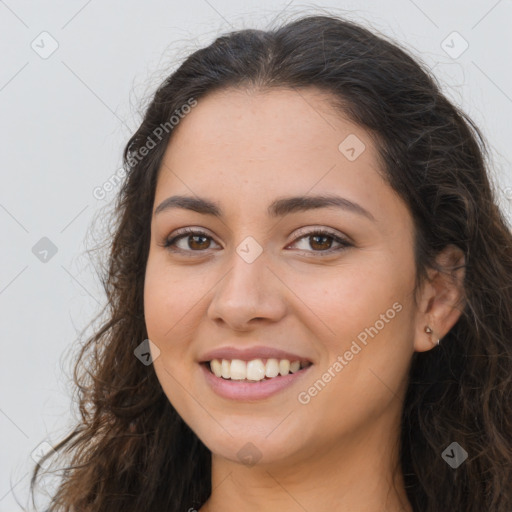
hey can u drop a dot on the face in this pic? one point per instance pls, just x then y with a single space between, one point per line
329 285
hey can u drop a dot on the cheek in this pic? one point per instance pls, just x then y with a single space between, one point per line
169 300
363 314
173 311
158 307
362 374
166 313
353 296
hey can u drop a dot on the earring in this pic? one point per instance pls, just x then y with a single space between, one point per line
428 330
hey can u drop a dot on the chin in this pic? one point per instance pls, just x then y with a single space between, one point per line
251 446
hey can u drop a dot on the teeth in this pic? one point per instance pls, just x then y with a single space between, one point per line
238 369
295 366
226 369
216 367
254 370
272 368
284 367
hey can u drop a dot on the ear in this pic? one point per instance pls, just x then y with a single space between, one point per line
441 299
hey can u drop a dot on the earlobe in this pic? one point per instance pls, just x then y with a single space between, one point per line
429 330
442 299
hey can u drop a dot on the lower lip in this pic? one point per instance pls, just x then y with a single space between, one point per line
237 390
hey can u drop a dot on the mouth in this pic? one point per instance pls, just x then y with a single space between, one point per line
255 370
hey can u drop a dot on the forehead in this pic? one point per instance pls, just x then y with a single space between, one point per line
264 123
241 144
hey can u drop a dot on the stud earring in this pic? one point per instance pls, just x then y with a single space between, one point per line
428 330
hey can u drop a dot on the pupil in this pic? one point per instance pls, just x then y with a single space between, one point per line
316 237
196 237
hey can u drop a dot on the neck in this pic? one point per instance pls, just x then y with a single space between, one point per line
358 474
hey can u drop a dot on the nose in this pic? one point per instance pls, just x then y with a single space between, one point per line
248 294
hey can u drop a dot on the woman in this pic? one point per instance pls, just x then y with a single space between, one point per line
309 290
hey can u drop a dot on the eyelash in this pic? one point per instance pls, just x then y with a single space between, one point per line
169 242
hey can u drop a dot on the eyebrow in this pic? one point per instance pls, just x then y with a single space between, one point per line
277 208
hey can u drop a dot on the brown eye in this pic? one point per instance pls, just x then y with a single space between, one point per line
196 241
321 245
321 242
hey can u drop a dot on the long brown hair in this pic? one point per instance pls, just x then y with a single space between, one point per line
131 451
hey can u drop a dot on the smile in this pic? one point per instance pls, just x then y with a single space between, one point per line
256 369
248 380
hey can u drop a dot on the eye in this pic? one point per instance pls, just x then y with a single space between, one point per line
321 241
198 241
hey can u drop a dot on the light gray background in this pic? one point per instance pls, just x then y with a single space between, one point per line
64 121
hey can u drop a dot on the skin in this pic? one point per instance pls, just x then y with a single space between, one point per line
243 149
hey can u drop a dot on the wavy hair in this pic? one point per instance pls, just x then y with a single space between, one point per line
131 451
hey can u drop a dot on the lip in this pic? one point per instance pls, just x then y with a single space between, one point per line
251 391
248 354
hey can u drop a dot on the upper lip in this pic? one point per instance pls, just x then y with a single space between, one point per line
248 354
